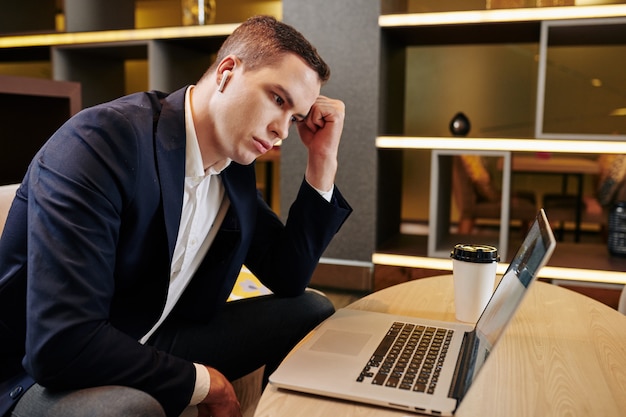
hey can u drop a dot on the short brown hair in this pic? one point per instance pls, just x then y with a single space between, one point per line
261 39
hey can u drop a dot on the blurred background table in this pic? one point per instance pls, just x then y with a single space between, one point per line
565 166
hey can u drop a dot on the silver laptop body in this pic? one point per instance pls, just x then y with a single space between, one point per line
340 359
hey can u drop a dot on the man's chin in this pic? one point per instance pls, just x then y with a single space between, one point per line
246 160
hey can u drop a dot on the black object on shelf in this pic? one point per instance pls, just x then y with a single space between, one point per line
460 125
617 229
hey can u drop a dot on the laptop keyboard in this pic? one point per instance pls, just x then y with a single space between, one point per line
409 357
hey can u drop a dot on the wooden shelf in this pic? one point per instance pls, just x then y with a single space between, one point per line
96 59
500 16
484 26
502 144
101 38
571 262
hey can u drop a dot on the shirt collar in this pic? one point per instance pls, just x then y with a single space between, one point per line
193 158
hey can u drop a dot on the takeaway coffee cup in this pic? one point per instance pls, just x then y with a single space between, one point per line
474 272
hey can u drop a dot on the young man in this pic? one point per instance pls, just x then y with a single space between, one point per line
133 221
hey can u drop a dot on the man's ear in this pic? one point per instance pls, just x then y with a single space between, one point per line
224 71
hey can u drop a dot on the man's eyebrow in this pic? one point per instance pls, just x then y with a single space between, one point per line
289 100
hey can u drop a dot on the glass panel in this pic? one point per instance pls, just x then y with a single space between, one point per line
585 86
493 85
585 83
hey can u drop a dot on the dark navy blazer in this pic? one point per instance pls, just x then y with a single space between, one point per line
86 252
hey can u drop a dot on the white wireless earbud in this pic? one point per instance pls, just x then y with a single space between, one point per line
225 76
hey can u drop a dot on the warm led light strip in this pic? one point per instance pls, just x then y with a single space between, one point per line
107 36
502 144
549 272
501 15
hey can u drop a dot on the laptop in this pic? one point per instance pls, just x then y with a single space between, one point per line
363 356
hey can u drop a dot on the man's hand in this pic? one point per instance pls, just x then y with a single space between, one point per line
221 400
321 132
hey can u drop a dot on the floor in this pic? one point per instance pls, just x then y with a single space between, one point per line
341 298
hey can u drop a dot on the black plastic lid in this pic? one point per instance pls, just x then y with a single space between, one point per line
482 254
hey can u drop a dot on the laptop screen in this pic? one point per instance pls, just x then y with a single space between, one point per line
533 254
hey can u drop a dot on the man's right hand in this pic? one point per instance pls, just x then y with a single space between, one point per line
221 400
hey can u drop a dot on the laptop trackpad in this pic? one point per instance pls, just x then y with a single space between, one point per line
341 342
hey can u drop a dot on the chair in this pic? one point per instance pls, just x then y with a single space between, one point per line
561 208
477 198
610 188
7 193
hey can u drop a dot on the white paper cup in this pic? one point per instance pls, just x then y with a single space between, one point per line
474 272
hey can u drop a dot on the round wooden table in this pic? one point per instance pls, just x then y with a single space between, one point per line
564 354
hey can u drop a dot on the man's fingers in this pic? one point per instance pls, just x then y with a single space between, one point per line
315 122
322 111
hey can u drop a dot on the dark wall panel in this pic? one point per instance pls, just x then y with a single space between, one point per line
347 35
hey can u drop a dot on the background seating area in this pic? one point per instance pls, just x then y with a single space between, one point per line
477 197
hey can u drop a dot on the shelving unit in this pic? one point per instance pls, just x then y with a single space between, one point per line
98 50
92 42
399 33
175 56
376 138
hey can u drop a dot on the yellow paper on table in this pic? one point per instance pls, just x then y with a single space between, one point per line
246 286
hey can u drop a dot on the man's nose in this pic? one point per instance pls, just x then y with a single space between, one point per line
280 128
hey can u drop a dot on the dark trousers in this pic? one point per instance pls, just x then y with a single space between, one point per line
244 336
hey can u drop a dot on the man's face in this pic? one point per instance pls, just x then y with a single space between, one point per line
257 107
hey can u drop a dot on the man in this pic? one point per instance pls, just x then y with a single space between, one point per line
133 221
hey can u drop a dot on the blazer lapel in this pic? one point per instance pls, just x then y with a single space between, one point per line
169 128
236 179
240 186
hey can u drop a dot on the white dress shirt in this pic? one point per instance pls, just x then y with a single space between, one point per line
204 207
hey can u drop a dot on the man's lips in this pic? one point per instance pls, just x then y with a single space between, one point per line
262 145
